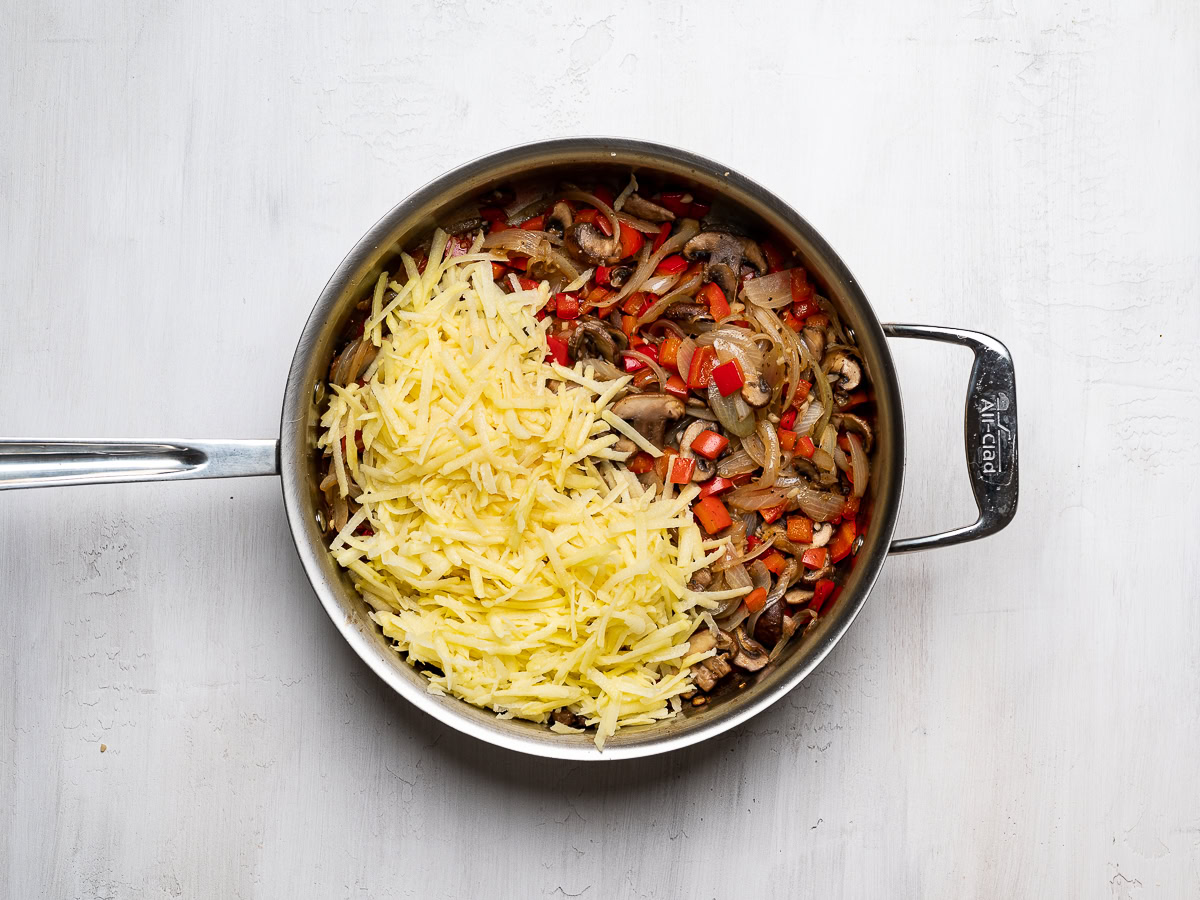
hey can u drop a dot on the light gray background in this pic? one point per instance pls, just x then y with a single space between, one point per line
1014 718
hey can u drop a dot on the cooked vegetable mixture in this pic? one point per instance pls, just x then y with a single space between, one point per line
654 357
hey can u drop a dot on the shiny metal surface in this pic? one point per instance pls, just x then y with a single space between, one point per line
415 216
990 424
29 463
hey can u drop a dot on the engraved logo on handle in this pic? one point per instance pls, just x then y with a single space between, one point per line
993 437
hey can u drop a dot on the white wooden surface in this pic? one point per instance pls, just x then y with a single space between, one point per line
1015 718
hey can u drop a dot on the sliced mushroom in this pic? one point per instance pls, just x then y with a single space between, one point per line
815 339
688 312
797 596
559 219
647 209
857 424
618 275
586 242
845 367
757 391
751 655
465 226
701 642
725 642
700 579
812 576
769 627
566 717
706 675
648 414
705 468
725 254
821 534
605 339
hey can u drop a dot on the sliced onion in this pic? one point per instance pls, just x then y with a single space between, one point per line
661 284
818 505
648 262
753 446
823 459
683 357
665 325
658 370
736 576
625 192
733 412
770 291
697 409
792 624
760 575
602 369
563 263
770 438
518 240
751 496
814 412
727 561
736 619
683 292
637 224
769 322
790 570
859 464
737 463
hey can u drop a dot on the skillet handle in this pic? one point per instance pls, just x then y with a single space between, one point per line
27 464
991 434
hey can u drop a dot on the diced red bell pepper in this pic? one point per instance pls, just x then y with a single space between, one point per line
850 509
842 540
645 378
728 377
628 325
528 284
744 478
712 294
673 200
493 214
788 419
640 463
668 352
664 232
498 270
535 223
802 390
700 374
756 599
662 465
821 592
671 265
566 306
682 470
602 273
774 562
634 303
717 485
802 291
800 529
604 194
774 255
791 320
633 364
806 308
600 296
675 387
597 218
558 349
519 262
857 398
815 558
787 439
818 320
805 447
712 515
709 444
631 241
772 513
752 542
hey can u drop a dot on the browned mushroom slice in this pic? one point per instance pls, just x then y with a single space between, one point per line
700 580
751 655
568 718
648 414
465 226
814 338
769 627
587 243
618 275
705 468
688 312
812 576
559 219
600 337
857 424
706 675
757 391
845 367
647 209
725 254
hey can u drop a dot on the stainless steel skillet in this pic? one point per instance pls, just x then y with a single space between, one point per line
990 423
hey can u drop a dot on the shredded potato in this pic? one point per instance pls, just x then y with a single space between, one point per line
495 539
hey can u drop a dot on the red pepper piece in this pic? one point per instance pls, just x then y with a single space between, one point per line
774 562
709 444
772 513
712 515
821 592
788 419
558 349
664 232
672 265
718 485
756 599
800 529
640 463
712 294
631 241
842 541
682 470
815 558
700 372
728 377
